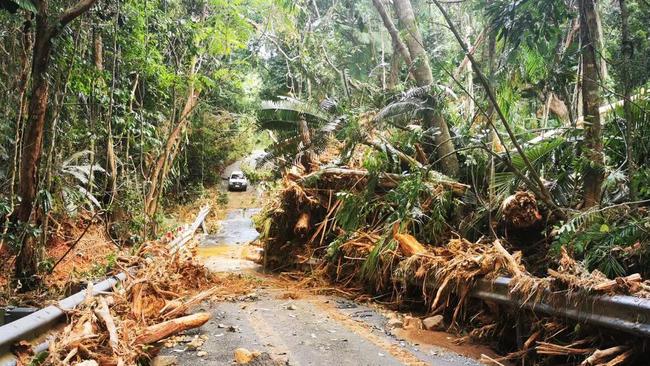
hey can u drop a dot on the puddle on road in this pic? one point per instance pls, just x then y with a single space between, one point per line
236 229
228 250
214 251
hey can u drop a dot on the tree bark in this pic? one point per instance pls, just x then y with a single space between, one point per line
627 49
424 77
593 171
23 82
163 330
167 157
398 45
110 188
27 261
309 158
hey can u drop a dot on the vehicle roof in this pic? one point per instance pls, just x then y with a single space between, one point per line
238 172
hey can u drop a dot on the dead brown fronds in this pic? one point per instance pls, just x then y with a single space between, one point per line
455 267
546 348
574 276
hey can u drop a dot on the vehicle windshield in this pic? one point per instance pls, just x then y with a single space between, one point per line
236 176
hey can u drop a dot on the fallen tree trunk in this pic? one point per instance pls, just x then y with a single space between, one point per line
409 245
386 180
182 308
349 176
163 330
622 281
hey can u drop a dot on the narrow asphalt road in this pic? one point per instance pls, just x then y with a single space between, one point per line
290 329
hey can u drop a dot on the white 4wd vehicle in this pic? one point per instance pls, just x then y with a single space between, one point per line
237 181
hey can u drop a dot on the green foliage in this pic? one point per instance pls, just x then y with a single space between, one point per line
222 199
215 141
333 248
606 241
283 117
506 181
285 113
333 63
46 265
258 175
640 180
639 17
372 268
39 359
26 5
351 216
527 22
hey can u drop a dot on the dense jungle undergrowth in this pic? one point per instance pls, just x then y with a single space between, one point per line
417 146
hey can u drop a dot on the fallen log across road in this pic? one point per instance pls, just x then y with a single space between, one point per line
385 180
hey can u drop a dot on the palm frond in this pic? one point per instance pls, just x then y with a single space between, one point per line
329 105
536 153
284 114
26 5
334 125
505 181
401 111
281 149
419 92
76 156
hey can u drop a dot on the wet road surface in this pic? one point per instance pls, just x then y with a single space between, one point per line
226 251
307 330
311 331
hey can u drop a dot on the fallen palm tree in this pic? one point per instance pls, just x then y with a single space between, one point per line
331 176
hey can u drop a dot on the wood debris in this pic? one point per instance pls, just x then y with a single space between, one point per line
409 245
152 304
306 223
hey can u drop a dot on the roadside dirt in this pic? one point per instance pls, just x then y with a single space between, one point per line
87 260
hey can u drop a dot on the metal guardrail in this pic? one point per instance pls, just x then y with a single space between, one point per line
31 325
179 241
627 314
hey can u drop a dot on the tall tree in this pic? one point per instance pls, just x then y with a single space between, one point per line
627 49
165 160
424 77
48 27
398 44
593 171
